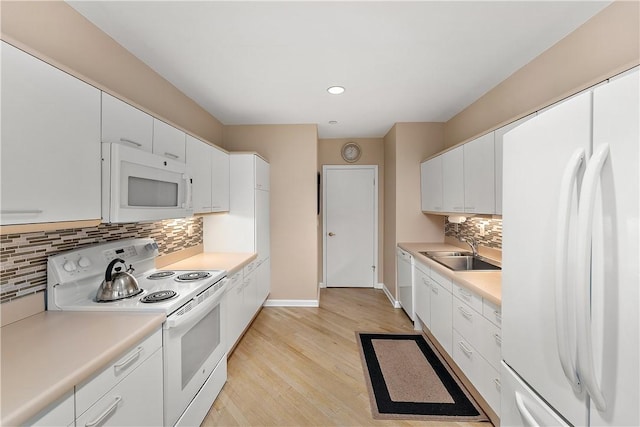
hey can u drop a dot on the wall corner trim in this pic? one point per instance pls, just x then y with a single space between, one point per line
394 303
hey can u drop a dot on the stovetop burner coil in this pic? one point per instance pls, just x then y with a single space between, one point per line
195 275
161 275
158 296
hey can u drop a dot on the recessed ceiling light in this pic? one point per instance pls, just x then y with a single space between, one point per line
335 90
333 122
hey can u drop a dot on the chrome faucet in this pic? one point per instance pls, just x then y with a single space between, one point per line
471 242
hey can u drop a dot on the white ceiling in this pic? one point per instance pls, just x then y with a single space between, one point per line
271 62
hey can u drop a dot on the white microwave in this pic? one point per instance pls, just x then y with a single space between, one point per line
142 186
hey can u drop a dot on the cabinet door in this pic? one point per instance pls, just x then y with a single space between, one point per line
168 141
441 320
123 123
264 281
431 184
199 166
423 295
50 164
453 180
220 180
499 142
235 302
479 183
262 174
135 401
250 295
262 224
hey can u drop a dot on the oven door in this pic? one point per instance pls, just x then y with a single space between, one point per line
141 186
193 345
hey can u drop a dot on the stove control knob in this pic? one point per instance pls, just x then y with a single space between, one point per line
69 266
84 262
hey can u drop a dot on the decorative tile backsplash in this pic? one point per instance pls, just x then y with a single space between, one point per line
472 227
23 257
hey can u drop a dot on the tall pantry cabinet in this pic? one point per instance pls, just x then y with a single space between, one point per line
244 229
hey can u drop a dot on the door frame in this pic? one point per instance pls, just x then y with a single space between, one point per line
374 168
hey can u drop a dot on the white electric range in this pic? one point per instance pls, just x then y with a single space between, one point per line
194 348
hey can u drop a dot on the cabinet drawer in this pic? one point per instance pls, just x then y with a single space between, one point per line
234 280
490 343
96 387
468 297
466 321
443 281
135 401
466 357
250 267
492 312
488 384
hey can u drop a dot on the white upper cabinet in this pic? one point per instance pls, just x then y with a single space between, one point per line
499 141
453 180
431 184
50 164
220 180
209 168
168 141
123 123
262 174
479 183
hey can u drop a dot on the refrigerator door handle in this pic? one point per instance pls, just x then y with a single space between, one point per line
527 417
586 370
567 184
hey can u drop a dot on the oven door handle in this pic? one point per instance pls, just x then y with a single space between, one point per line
196 314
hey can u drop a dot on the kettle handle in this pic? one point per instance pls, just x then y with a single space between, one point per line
107 275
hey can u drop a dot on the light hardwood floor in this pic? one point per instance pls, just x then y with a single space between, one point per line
301 366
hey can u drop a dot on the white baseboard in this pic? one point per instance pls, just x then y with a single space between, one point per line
396 304
292 303
378 286
322 285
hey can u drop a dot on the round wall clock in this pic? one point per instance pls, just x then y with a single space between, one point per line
351 152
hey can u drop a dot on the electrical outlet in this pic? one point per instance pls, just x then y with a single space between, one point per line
190 230
481 227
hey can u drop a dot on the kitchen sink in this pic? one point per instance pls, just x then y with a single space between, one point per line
462 261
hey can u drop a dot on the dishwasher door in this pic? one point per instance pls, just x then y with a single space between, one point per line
405 281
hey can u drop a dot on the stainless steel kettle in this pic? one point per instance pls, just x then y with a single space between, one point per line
118 285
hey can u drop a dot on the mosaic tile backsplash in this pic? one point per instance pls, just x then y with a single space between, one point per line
472 228
23 257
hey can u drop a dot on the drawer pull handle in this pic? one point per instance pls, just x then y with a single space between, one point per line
498 315
434 289
465 313
105 414
498 339
137 144
496 381
171 155
465 294
425 281
464 348
129 359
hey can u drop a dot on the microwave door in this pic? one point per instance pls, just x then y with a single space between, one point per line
144 187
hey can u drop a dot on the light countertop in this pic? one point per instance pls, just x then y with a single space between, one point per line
45 355
487 284
229 261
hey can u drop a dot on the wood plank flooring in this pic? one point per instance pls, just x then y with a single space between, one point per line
301 366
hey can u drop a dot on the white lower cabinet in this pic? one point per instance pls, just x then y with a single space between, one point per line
441 320
235 303
423 294
465 325
134 401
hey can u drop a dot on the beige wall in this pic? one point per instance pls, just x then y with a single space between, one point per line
405 146
604 46
56 33
293 155
372 154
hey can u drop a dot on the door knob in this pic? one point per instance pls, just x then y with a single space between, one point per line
331 234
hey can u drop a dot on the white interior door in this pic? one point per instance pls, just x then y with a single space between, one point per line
350 226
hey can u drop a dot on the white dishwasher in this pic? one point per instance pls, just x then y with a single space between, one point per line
405 281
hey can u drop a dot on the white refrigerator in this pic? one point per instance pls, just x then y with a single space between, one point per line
570 276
